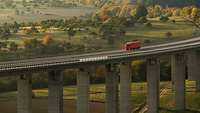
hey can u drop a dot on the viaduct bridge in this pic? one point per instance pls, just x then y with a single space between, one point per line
181 53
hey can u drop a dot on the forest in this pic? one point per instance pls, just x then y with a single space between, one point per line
173 3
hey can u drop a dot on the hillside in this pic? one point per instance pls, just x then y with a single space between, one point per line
173 3
170 3
100 3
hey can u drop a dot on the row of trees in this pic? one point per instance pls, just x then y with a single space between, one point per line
195 17
69 25
36 3
143 10
158 11
7 29
35 48
173 3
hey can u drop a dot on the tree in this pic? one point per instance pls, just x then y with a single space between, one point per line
148 24
173 3
138 69
15 27
32 30
46 40
13 46
71 32
194 17
3 45
141 11
31 43
157 10
8 3
194 12
112 29
186 11
17 12
164 18
142 20
168 34
24 3
5 31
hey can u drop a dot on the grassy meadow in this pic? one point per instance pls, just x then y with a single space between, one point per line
155 34
39 14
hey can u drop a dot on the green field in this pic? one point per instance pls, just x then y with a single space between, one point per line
29 11
39 14
155 34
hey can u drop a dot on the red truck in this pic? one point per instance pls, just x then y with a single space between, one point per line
135 44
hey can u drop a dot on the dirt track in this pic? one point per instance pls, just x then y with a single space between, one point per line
40 106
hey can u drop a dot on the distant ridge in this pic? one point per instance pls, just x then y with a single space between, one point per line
174 3
170 3
132 2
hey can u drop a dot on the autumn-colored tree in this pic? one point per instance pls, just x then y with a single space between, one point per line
104 15
194 17
46 40
186 11
194 12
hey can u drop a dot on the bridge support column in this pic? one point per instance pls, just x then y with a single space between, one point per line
55 96
111 89
24 94
178 68
125 88
193 65
83 91
153 82
197 85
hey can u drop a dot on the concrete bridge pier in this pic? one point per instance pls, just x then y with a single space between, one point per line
125 88
24 94
178 68
193 65
111 89
83 90
55 93
197 85
153 82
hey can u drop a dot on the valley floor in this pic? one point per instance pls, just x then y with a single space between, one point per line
97 98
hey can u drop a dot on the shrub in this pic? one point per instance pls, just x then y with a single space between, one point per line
13 46
142 20
141 11
139 70
177 12
148 24
168 34
164 18
33 95
147 41
174 21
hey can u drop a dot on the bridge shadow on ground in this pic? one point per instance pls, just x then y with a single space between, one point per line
165 110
